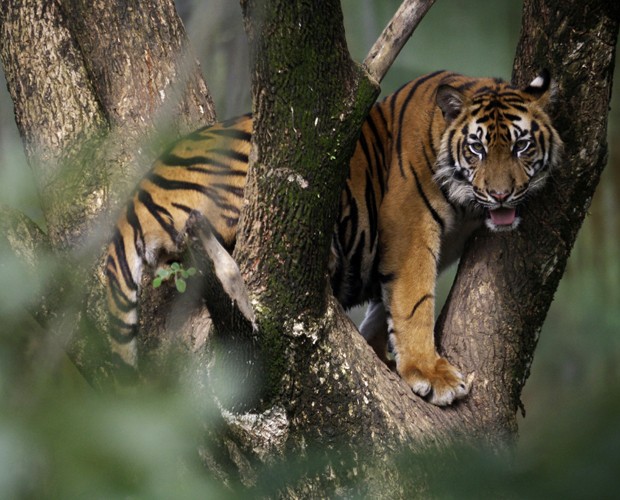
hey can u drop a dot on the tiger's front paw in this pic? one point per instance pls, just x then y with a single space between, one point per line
441 382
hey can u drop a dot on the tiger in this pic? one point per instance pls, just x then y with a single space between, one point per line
439 158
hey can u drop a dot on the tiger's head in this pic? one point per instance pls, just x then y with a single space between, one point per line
498 146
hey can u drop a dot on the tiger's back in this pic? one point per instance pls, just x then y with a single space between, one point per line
203 171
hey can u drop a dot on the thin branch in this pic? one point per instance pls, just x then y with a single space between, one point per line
29 245
225 294
394 36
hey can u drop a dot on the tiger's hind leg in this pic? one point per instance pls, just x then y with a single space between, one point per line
374 329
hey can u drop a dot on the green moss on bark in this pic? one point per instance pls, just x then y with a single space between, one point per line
310 101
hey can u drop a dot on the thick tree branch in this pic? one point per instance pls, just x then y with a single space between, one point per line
296 175
56 113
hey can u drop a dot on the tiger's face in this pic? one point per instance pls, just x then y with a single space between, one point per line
498 147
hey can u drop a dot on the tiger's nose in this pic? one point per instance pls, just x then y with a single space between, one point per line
499 196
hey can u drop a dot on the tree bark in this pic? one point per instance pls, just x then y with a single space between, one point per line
305 89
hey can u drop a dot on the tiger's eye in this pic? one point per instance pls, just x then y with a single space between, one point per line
476 148
521 145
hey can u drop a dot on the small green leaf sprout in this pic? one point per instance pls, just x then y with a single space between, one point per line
175 271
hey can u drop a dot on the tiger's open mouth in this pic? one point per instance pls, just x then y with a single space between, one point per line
503 218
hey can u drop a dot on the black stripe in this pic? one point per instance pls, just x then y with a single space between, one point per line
231 133
172 184
366 152
207 190
203 132
512 95
350 221
378 154
430 136
542 143
121 260
172 160
379 170
234 190
371 204
156 211
465 86
386 278
182 207
138 234
495 104
384 121
118 325
483 90
433 212
427 160
376 137
231 154
511 117
354 275
418 304
216 173
451 161
401 117
122 302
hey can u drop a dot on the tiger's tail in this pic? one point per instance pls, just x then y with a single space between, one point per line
123 269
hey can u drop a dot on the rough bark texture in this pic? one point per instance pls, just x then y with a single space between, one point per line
56 112
309 102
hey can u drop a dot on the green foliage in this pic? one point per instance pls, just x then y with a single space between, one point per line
177 272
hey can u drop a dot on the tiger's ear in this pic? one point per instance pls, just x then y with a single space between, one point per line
542 88
450 100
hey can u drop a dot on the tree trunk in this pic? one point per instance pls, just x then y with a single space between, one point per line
296 175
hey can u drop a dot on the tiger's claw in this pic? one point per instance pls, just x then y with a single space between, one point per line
442 384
